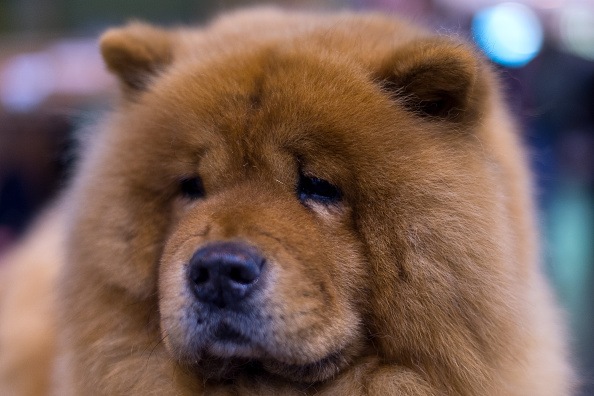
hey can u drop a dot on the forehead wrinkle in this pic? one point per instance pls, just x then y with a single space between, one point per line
255 132
269 113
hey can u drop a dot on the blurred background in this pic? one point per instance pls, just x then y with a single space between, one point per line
52 83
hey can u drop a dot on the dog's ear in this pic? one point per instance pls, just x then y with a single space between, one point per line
135 54
435 78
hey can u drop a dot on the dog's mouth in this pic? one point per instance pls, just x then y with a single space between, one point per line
221 368
232 353
310 372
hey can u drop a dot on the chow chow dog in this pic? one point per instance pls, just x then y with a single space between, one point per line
290 203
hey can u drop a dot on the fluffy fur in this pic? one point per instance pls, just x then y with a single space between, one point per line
420 279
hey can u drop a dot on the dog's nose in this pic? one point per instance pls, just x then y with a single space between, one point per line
224 273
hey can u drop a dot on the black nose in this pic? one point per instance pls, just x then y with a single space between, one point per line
224 273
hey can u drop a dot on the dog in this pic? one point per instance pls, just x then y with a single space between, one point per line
291 203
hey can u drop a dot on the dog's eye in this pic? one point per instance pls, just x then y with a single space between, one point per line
319 190
192 187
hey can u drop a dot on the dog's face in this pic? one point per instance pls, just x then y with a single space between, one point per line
276 198
263 261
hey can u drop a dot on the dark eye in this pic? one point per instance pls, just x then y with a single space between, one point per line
319 190
192 187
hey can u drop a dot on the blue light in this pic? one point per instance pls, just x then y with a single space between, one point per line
509 33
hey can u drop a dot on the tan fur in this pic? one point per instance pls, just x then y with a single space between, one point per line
422 280
27 309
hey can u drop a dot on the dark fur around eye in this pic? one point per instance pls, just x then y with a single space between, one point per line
192 187
318 190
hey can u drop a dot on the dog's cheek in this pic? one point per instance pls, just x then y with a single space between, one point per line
349 269
120 211
171 304
117 241
352 270
175 308
327 293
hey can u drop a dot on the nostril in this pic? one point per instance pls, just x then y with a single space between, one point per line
243 274
201 275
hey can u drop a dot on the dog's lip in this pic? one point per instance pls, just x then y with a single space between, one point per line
314 371
228 342
330 358
217 366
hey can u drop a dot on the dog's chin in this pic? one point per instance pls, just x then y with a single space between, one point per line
227 368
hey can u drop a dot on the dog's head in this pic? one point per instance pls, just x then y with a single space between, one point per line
289 197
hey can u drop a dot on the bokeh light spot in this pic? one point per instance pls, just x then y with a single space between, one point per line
509 33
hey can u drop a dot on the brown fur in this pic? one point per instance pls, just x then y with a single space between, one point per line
421 280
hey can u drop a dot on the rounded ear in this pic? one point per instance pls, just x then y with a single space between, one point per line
435 78
136 53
